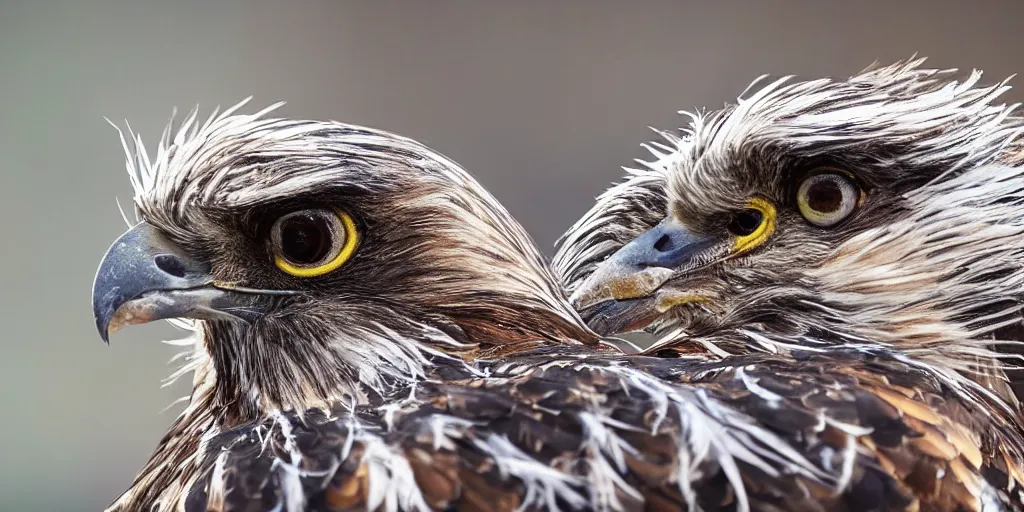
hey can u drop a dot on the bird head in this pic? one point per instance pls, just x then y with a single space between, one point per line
320 259
886 208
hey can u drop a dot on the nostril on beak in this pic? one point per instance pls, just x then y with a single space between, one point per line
170 264
663 244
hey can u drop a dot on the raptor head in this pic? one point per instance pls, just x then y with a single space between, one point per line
886 208
320 260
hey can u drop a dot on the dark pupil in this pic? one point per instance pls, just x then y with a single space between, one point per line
745 222
305 239
825 196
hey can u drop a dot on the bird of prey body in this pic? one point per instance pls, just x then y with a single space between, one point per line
374 332
883 211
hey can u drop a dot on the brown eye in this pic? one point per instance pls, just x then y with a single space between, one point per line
826 199
309 243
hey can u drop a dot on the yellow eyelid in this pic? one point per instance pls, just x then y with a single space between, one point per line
747 242
351 240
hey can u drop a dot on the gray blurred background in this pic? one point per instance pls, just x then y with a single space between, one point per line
542 101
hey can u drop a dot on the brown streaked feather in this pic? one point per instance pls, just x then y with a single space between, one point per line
524 436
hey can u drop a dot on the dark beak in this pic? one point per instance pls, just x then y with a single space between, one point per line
146 277
618 296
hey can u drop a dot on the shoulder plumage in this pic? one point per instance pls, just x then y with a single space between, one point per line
595 432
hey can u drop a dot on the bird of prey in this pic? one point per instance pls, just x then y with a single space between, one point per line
886 210
373 331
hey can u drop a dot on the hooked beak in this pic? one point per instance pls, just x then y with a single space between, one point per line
623 293
145 277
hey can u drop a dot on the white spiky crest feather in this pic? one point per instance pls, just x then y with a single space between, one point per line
937 121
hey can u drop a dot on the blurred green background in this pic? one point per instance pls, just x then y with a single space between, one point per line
542 101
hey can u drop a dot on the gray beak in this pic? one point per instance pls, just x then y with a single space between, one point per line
641 266
620 295
145 277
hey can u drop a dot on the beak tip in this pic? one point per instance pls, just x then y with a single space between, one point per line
104 333
104 305
102 325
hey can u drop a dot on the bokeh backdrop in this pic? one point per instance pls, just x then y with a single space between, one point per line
543 101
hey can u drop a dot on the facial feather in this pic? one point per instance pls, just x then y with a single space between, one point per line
440 263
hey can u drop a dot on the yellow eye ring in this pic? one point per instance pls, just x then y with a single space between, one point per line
752 238
311 243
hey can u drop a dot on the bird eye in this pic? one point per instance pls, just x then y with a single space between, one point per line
752 225
310 243
826 199
745 222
